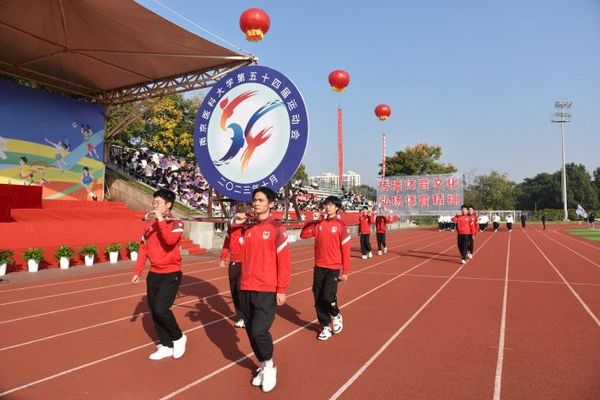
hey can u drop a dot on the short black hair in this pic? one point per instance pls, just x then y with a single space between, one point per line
333 200
464 206
364 208
470 206
24 159
167 195
271 195
88 170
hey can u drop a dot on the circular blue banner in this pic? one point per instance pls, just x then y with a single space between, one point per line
251 130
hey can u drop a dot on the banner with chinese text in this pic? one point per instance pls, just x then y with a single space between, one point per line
420 194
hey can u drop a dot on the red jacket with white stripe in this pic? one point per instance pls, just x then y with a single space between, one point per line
332 243
463 224
364 224
266 261
232 245
160 245
474 224
380 224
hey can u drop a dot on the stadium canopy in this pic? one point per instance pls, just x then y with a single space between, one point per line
108 51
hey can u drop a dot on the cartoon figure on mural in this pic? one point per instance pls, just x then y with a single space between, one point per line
59 148
87 182
87 134
3 148
27 172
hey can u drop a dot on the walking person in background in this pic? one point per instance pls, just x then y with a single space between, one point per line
544 221
496 222
233 248
523 220
474 230
592 220
380 231
463 225
509 221
364 229
483 221
441 223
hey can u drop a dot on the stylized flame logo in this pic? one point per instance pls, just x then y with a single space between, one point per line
244 137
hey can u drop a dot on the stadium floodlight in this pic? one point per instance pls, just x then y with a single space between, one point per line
562 116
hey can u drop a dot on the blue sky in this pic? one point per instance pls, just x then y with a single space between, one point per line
478 78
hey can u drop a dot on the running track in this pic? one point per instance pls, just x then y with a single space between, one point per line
519 321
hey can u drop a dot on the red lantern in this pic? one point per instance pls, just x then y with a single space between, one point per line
338 80
383 111
255 23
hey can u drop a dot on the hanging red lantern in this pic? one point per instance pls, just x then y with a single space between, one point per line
383 112
255 23
338 80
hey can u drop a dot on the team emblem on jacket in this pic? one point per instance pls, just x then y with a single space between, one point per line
266 235
333 229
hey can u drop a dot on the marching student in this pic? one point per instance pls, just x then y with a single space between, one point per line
474 231
441 222
509 222
233 248
496 222
364 229
332 257
463 226
160 245
380 231
523 220
544 221
265 277
483 221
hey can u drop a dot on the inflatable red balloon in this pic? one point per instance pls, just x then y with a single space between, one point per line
383 111
338 80
255 23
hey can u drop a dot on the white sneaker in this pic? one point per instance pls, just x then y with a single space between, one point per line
257 380
240 323
364 257
338 323
495 230
462 261
378 252
470 256
325 333
161 352
384 250
370 254
269 378
179 346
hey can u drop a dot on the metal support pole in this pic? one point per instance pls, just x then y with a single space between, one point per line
564 174
340 148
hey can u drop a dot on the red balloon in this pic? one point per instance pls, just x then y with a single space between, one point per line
383 111
338 80
255 23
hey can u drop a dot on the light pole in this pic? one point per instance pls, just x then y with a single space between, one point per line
561 116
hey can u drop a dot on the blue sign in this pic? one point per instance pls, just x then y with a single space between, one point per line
251 130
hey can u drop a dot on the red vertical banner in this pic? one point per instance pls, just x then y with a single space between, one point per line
340 148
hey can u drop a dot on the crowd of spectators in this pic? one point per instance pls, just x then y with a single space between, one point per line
183 177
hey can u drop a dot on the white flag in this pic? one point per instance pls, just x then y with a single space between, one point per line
580 211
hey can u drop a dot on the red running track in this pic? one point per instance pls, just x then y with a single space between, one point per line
520 320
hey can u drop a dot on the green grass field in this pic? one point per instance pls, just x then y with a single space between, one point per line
590 234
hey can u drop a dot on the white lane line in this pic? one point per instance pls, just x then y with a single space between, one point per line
583 303
115 355
576 239
502 336
239 360
572 251
54 336
378 353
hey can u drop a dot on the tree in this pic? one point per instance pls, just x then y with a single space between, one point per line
367 191
596 184
301 174
131 135
418 160
541 191
579 187
494 191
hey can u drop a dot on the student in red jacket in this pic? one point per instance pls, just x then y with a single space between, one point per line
364 229
474 231
233 248
332 257
160 245
265 278
463 226
380 231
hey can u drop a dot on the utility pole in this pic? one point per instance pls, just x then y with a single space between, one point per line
562 116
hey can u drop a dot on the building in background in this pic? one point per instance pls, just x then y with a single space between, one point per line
329 180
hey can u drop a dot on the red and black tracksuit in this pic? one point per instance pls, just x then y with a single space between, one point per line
266 272
332 256
380 231
364 229
463 227
160 245
233 248
474 231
